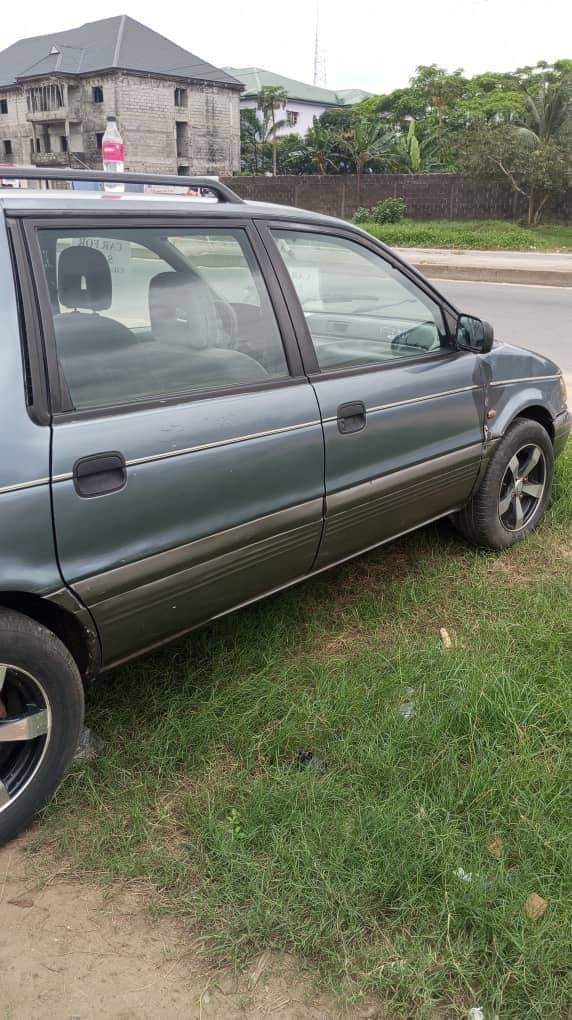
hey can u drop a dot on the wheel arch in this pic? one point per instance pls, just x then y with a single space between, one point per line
74 629
532 410
540 414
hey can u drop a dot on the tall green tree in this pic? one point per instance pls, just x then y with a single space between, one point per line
272 98
537 172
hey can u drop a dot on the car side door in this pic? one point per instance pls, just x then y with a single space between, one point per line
187 450
402 407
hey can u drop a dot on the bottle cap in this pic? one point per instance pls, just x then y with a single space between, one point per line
112 118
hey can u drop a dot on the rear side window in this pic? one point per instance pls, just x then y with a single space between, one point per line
140 314
360 310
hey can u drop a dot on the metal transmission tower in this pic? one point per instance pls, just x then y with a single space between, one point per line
319 55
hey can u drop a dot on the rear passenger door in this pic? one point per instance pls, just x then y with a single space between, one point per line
187 448
402 407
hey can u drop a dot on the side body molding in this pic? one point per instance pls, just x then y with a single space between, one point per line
172 592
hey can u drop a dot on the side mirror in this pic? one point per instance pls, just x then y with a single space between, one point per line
474 334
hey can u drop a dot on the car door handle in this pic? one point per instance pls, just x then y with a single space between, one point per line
351 417
99 474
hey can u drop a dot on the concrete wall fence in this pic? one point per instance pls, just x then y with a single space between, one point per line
427 196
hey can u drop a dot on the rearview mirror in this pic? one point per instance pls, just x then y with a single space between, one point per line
474 334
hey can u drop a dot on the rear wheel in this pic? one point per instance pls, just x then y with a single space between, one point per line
41 714
515 490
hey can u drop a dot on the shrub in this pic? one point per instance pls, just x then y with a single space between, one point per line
391 210
363 215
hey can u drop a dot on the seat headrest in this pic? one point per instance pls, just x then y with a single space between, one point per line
84 278
181 310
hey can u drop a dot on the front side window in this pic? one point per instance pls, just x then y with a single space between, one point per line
141 314
359 309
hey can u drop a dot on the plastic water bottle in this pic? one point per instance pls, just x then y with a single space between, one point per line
112 150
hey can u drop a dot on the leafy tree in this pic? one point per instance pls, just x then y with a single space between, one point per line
534 171
445 105
292 155
338 120
272 98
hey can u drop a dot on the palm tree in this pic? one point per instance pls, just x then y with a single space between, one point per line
256 132
548 112
320 145
365 140
270 99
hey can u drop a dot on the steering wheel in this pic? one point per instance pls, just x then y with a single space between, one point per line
402 339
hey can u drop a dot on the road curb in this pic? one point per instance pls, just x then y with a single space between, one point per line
494 274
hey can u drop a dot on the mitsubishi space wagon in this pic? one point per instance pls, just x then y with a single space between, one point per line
204 403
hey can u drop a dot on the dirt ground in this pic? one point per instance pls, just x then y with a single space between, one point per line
74 951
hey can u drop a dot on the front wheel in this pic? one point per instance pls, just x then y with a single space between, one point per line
514 493
41 714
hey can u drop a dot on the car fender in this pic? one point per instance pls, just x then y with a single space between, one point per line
539 401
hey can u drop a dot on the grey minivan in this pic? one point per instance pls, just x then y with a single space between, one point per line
205 403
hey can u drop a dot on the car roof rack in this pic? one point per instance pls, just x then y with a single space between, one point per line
22 173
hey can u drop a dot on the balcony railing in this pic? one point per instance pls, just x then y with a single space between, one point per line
55 159
68 112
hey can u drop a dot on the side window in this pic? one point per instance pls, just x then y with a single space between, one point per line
140 314
359 309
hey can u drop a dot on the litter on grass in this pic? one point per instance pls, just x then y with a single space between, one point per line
445 637
311 761
465 876
89 748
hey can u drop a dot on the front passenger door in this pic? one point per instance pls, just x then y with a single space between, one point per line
402 408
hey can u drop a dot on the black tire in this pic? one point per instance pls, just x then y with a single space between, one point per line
41 692
482 520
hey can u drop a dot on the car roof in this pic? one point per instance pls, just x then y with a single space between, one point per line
100 203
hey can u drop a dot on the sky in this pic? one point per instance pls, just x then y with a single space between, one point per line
373 45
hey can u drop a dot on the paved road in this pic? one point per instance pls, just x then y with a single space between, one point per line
539 318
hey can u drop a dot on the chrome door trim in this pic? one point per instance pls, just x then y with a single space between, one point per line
525 379
24 485
169 454
427 396
415 400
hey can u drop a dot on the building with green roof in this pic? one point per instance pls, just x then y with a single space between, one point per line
304 101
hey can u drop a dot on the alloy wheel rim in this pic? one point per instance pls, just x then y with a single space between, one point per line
522 487
25 730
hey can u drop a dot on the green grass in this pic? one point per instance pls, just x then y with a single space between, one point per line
355 870
485 235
